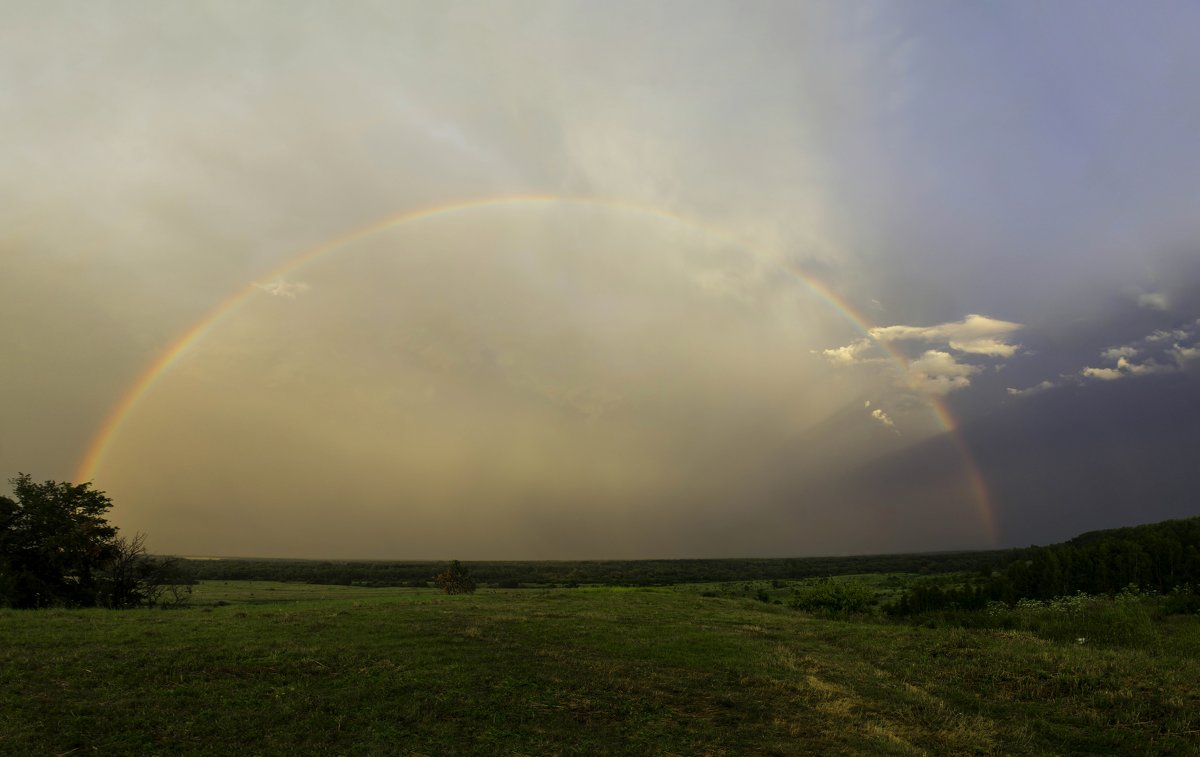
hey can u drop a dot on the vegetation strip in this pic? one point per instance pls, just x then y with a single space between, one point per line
328 669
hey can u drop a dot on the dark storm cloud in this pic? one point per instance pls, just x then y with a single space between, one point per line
1092 456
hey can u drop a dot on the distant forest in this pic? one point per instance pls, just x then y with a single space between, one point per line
513 574
1161 557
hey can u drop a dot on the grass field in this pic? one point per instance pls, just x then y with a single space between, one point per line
263 668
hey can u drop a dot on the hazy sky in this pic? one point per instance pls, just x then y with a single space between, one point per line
696 279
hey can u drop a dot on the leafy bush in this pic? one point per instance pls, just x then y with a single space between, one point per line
1126 619
1183 600
832 597
455 580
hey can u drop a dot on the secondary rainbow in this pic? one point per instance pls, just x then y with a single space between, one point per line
145 382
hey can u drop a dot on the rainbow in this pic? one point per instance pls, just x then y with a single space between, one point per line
145 382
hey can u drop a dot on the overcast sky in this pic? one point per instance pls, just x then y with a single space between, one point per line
820 277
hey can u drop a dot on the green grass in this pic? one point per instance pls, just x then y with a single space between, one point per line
218 593
286 668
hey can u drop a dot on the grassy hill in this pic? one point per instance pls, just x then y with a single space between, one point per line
264 668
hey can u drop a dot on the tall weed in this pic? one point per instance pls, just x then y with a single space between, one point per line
1127 619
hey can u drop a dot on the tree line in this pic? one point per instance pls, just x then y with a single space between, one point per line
1161 558
57 549
566 573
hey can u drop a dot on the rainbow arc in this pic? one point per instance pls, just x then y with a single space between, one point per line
145 382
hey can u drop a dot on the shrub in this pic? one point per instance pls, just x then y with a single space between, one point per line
455 580
830 596
1126 619
1183 600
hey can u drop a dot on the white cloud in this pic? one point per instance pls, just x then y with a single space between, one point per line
1035 389
1138 369
1125 368
849 354
1162 336
975 334
883 418
937 372
1184 354
1116 353
1152 300
281 288
1104 374
1158 357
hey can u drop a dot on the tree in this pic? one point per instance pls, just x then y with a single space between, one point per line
57 548
133 578
455 580
53 540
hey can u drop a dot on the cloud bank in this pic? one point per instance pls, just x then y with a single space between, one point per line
974 335
932 372
1162 351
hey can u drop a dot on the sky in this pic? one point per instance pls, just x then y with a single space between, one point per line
573 280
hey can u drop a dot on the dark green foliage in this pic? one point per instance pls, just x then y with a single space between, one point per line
1130 619
133 578
1160 558
832 597
928 597
455 580
1183 600
53 540
57 549
586 572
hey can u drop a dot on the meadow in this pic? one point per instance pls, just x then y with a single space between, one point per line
255 667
